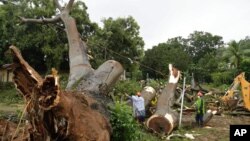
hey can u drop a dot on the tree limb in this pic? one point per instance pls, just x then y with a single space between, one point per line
41 21
69 5
58 5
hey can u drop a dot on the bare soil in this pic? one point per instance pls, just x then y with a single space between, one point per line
217 129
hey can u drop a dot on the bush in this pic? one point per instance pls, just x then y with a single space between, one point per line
6 85
124 126
220 78
9 96
63 78
127 86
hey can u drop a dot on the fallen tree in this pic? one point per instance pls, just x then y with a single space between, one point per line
53 114
165 118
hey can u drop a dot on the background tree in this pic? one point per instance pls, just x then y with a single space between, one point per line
42 43
119 40
202 47
8 25
158 58
237 56
202 43
234 54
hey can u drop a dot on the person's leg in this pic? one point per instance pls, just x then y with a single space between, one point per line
197 119
143 115
201 120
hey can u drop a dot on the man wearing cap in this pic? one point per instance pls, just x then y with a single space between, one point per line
200 109
138 106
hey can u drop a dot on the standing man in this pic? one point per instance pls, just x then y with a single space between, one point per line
138 106
200 109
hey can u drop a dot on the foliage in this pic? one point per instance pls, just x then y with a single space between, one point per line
245 67
7 35
238 54
123 124
127 86
158 58
222 78
63 78
10 95
234 54
202 43
6 85
205 67
119 40
44 45
125 128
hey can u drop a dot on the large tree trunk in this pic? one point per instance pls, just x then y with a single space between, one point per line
96 81
63 115
165 119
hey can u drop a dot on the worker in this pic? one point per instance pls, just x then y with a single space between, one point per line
200 109
138 106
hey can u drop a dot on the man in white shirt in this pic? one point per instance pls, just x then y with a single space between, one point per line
138 106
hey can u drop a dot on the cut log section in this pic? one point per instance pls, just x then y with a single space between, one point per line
165 119
148 93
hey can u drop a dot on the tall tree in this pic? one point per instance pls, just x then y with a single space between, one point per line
158 58
7 22
234 54
42 43
237 55
202 47
202 43
119 40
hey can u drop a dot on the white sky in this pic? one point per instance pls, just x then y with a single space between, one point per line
160 20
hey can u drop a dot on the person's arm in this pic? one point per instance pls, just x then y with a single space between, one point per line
130 97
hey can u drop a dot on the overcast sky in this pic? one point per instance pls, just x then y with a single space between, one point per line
160 20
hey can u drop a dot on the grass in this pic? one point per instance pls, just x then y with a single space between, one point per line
10 96
11 102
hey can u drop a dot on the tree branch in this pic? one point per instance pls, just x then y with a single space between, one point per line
58 5
41 21
6 2
69 5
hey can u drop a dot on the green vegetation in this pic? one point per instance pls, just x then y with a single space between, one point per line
11 103
207 56
45 46
8 94
125 127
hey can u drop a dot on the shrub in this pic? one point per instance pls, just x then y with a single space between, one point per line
127 86
124 126
220 78
6 85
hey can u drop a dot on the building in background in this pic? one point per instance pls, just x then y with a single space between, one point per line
6 74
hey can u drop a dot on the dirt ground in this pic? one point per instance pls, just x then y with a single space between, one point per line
217 129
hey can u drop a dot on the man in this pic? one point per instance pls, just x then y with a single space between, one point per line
200 109
138 106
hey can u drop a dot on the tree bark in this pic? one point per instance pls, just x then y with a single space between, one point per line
165 119
92 80
148 93
54 114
